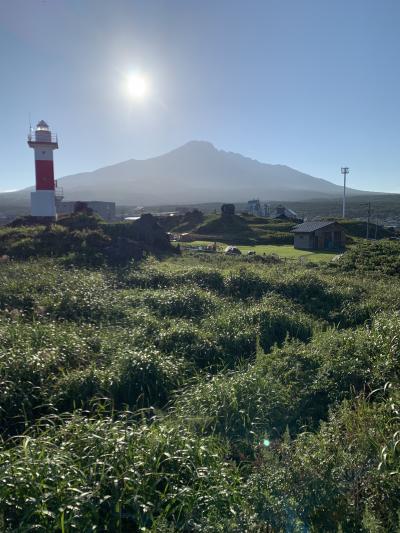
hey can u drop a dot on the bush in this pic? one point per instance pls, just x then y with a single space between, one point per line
146 277
190 342
246 284
32 356
134 379
179 302
80 221
52 241
235 334
215 344
379 256
23 248
207 279
296 384
84 296
330 480
277 319
85 240
241 406
113 475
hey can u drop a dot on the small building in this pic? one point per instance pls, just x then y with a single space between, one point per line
254 207
319 235
266 210
284 213
258 209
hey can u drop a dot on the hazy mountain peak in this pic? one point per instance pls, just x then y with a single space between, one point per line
196 172
195 146
199 144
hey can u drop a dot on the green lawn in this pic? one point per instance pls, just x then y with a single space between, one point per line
284 250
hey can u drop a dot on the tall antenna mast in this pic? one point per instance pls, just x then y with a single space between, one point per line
344 171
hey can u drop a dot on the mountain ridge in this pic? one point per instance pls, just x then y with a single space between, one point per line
194 172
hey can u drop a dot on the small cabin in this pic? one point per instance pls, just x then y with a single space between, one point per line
284 213
328 235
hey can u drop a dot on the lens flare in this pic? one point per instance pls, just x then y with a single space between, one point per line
137 86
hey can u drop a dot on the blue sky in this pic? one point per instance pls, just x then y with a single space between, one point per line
313 84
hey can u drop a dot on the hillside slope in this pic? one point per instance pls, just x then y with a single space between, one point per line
195 172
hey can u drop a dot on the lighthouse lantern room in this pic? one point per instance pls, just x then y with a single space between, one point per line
43 199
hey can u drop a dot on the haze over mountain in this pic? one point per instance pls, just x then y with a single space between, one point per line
195 172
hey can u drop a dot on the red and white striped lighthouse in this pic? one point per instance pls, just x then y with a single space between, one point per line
43 199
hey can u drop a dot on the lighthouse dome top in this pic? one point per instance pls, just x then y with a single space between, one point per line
42 126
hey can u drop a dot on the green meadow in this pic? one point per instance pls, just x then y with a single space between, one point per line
285 251
201 393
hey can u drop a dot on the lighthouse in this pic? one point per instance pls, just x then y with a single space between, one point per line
43 199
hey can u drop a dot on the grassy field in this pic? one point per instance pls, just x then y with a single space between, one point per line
201 393
286 251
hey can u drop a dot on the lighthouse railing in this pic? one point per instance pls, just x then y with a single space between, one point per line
40 138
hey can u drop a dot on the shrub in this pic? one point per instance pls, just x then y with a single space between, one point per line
207 279
235 333
84 296
190 342
217 343
146 277
330 480
296 384
179 302
381 256
134 379
246 284
113 475
32 356
278 318
80 221
53 241
86 241
240 405
23 248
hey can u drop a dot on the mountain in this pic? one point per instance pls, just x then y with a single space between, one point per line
196 172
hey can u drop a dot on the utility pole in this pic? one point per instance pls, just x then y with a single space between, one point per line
376 228
344 171
369 216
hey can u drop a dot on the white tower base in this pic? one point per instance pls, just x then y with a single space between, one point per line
43 204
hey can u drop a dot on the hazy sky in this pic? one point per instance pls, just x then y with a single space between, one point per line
313 84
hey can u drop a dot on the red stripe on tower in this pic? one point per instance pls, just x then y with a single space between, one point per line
44 175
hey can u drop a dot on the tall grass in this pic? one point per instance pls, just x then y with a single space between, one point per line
198 394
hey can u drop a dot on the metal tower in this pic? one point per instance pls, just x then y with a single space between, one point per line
344 171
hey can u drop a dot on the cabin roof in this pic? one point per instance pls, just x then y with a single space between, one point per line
309 227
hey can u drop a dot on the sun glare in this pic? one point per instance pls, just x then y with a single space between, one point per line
137 86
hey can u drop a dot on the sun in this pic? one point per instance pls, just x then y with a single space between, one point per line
137 86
